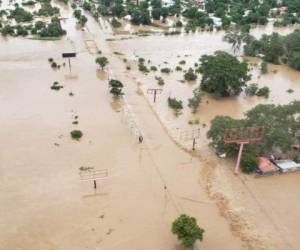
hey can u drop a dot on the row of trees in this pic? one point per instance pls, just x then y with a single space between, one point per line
115 86
53 29
81 19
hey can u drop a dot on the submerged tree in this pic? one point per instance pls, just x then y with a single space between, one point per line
187 230
102 61
190 75
116 88
223 74
195 101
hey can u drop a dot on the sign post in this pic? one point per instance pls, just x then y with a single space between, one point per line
242 136
69 56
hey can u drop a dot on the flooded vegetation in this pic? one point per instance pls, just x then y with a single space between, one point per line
99 150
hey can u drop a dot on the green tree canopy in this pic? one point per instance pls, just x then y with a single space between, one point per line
187 230
116 87
223 74
102 61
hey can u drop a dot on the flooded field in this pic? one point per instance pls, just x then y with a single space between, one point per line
236 195
168 51
44 205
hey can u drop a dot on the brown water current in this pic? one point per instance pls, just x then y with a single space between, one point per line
44 205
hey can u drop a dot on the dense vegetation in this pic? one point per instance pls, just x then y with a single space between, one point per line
282 125
220 13
276 49
214 14
20 15
76 134
53 29
223 74
25 21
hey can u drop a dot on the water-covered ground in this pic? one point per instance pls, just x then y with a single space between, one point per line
44 205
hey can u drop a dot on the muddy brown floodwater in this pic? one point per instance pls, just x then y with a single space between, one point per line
247 202
44 205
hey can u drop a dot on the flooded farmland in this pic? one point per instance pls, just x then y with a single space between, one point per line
45 205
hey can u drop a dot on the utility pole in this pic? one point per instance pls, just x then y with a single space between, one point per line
154 92
191 135
94 176
70 65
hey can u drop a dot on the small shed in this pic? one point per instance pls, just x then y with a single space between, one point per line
287 165
265 166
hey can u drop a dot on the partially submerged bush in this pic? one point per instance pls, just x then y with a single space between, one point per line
142 67
264 91
116 88
190 75
76 134
178 68
251 90
54 65
153 68
165 70
264 68
175 104
160 80
56 86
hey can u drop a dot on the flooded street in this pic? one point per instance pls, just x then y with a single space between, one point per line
45 205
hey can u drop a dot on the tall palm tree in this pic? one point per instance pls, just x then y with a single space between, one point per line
236 36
